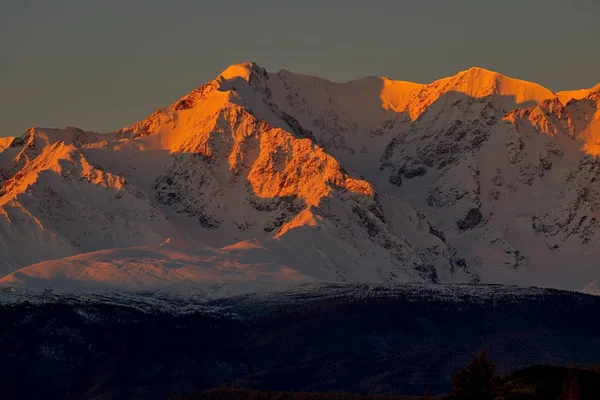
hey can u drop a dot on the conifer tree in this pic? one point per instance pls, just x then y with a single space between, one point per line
476 381
571 389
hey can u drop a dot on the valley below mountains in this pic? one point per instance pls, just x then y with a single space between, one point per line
262 181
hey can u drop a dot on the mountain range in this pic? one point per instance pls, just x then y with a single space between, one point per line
259 180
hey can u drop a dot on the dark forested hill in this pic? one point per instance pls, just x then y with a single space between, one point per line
384 343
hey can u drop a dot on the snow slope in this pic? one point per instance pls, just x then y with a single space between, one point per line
567 95
243 268
473 178
5 142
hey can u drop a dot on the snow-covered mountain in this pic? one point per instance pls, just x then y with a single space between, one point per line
266 179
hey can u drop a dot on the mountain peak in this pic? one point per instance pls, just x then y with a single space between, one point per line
243 70
479 71
479 82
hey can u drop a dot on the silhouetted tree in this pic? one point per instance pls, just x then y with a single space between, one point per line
476 381
571 389
427 394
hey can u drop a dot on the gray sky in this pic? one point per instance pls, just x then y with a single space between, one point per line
103 64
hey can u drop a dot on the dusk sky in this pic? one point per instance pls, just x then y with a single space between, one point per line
101 65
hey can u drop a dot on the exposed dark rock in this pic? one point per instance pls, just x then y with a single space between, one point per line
436 232
396 178
428 272
471 220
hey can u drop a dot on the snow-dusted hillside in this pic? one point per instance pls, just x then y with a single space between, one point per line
269 179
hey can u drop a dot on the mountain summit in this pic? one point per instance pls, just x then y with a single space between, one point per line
262 179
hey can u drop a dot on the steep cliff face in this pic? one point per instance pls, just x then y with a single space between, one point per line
472 178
